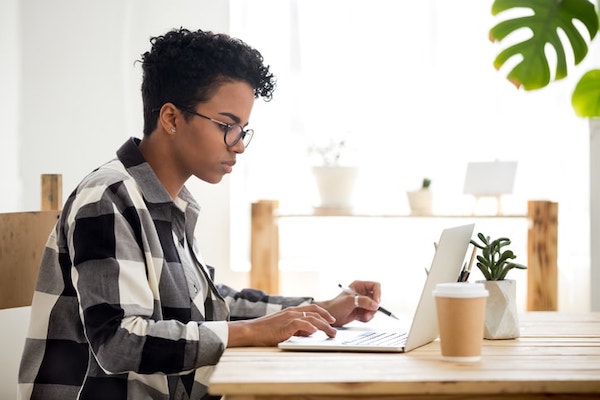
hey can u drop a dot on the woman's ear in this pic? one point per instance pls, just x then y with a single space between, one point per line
167 118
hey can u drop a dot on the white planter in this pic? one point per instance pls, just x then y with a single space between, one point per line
501 317
336 185
420 202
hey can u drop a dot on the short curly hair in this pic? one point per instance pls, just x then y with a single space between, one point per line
186 67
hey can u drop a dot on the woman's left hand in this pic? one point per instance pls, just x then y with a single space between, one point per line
347 307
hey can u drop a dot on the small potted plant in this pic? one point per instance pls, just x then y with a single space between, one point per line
335 181
420 201
496 260
328 154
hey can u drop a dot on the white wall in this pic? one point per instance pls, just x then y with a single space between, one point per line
9 99
13 321
70 96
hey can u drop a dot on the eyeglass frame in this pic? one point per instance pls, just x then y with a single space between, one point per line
243 132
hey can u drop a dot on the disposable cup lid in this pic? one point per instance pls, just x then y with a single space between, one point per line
460 289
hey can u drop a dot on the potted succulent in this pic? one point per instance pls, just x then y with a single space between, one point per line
420 201
335 181
496 260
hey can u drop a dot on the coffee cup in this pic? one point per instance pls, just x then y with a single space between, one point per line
460 310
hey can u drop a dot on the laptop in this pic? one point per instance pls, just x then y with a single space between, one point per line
445 267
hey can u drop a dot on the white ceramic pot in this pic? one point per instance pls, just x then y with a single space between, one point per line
420 201
336 185
501 317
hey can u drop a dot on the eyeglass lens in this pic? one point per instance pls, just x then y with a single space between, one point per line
235 133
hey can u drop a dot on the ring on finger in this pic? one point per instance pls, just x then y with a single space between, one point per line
356 301
304 314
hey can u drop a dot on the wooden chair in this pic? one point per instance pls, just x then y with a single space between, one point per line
23 236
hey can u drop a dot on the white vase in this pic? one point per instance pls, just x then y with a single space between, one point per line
336 186
501 317
420 202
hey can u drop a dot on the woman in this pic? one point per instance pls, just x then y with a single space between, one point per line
125 307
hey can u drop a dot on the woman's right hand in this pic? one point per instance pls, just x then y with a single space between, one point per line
272 329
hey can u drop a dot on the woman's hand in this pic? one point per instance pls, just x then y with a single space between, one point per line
347 307
277 327
306 320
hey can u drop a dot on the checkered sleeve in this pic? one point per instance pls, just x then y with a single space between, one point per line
251 303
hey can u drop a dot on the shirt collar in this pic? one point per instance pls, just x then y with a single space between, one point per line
151 187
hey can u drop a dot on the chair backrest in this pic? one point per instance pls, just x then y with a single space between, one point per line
23 236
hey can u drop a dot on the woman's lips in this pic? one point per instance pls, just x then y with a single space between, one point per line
228 166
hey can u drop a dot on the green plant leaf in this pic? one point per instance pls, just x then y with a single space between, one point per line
549 17
485 272
502 275
508 254
494 263
507 268
586 96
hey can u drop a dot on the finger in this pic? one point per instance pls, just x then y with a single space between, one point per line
366 316
312 322
376 291
320 311
365 302
324 326
316 318
368 288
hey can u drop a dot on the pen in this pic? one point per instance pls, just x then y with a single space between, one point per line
466 271
381 309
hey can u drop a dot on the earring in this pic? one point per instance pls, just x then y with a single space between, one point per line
173 130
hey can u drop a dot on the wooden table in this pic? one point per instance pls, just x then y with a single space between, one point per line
557 356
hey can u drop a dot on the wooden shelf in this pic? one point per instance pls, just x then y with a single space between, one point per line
333 213
542 275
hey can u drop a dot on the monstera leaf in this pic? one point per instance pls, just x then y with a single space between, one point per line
586 96
548 18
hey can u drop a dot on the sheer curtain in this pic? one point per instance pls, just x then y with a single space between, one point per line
411 85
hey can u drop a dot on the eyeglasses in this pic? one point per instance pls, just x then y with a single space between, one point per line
232 133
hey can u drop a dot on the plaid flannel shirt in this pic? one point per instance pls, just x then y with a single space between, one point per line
112 316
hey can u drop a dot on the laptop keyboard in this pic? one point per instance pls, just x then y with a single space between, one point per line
372 338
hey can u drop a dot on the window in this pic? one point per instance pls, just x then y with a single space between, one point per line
412 86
